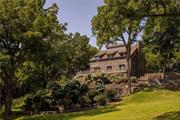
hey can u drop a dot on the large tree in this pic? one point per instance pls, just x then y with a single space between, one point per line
162 38
24 28
75 52
123 20
112 24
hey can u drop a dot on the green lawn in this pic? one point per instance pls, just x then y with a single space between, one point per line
149 105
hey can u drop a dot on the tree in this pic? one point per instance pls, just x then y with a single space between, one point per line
76 52
24 28
123 20
154 8
112 24
152 60
161 37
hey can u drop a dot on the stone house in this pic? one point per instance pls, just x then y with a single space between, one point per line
113 60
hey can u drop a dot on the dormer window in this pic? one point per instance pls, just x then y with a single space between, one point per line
97 58
109 56
122 54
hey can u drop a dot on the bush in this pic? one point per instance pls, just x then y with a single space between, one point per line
117 77
37 102
28 106
71 95
84 88
92 93
101 99
100 88
67 104
111 94
134 79
19 103
72 89
101 78
85 101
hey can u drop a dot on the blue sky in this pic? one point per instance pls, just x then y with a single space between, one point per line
78 15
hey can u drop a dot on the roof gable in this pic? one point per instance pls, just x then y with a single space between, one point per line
112 52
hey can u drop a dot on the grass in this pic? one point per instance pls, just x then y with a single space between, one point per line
145 105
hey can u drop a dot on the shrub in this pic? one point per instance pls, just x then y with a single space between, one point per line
84 88
134 79
28 104
52 86
72 90
67 103
88 77
37 102
92 93
100 88
19 103
111 94
85 101
101 99
100 78
117 77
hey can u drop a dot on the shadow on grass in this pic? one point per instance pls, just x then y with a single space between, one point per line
70 116
175 115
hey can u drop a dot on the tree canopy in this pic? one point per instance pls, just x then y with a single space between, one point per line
24 27
124 20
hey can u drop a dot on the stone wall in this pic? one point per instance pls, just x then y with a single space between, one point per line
112 62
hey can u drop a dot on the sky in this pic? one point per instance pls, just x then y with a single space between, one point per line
78 15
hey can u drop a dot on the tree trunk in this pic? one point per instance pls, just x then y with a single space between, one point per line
8 95
129 69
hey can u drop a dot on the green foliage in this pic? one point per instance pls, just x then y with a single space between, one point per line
101 99
70 95
100 78
111 94
92 93
161 104
19 103
85 101
106 78
76 52
24 31
37 102
152 61
111 22
72 89
161 44
55 90
115 22
117 77
134 79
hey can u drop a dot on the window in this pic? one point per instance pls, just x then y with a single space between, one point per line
121 67
97 57
122 54
109 56
97 69
109 67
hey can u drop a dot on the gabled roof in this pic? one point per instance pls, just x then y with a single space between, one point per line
111 52
114 46
101 53
115 50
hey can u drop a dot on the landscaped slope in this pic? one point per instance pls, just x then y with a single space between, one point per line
146 105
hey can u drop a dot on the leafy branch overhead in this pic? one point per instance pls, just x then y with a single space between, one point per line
116 16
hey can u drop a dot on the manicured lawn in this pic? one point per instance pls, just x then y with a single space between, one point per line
149 105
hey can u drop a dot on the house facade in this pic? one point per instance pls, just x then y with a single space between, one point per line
113 60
